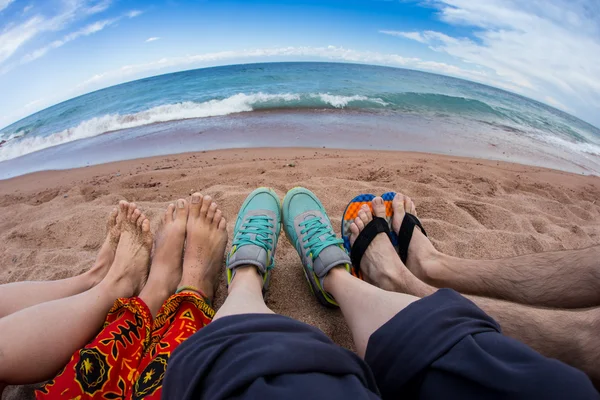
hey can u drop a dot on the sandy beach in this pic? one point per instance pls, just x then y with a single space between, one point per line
52 222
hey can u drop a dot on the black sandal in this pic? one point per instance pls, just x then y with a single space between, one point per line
405 234
364 239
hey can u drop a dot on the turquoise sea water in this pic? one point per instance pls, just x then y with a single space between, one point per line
376 93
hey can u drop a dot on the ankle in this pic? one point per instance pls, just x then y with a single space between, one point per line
93 276
117 287
197 284
246 276
336 274
435 269
424 261
404 281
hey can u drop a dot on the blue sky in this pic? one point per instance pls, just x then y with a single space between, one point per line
52 50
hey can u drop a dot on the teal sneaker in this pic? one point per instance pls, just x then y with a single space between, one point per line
309 229
255 235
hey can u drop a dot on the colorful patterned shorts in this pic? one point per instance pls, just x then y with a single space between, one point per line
128 359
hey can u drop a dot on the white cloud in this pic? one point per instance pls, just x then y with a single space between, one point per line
28 8
98 7
134 13
548 50
5 3
15 36
409 35
85 31
152 39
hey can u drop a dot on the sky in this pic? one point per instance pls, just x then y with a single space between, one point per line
53 50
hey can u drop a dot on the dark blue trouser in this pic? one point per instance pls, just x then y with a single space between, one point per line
442 346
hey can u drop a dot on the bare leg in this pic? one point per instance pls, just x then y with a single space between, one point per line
561 279
570 336
365 307
50 332
245 295
19 295
567 335
205 246
165 271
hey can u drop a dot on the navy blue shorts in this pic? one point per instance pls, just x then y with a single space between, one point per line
442 346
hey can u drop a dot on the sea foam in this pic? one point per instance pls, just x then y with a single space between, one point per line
237 103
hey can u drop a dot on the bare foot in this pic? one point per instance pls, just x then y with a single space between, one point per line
129 270
165 271
106 255
205 245
380 264
421 260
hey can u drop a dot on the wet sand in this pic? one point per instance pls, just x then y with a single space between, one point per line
52 222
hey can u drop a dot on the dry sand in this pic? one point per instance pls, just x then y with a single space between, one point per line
52 222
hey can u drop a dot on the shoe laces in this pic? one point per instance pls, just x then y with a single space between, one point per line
319 235
261 227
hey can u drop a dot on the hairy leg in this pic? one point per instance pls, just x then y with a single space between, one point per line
49 333
561 279
19 295
567 335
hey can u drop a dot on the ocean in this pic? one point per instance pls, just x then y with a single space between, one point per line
302 105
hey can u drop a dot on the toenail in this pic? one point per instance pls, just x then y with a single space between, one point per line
180 204
195 199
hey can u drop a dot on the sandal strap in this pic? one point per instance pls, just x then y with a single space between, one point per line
405 234
376 226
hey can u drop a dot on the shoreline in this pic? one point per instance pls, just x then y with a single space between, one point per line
342 129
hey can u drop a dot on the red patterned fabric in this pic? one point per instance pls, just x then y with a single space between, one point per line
128 359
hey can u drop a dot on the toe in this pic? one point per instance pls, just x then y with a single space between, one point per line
169 213
130 210
134 216
112 218
223 224
182 210
365 215
413 209
123 207
146 234
398 204
398 211
211 212
217 217
359 223
140 220
378 207
407 204
354 232
196 204
206 202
